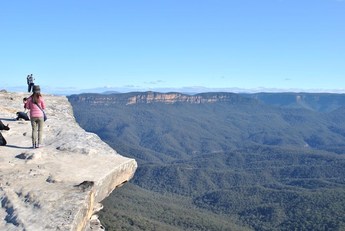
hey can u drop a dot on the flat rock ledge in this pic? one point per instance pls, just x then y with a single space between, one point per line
58 186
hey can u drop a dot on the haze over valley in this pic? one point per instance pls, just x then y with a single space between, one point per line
223 161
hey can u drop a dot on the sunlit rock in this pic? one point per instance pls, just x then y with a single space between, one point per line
57 186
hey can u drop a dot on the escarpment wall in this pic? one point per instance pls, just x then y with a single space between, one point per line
156 97
57 186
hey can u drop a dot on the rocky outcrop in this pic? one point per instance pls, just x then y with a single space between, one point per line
58 186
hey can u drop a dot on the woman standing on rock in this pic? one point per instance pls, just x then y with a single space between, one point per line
36 105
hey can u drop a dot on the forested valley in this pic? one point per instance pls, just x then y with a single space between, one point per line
251 162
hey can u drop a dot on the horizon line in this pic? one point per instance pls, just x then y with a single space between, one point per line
187 90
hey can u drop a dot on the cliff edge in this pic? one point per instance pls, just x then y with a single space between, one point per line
57 186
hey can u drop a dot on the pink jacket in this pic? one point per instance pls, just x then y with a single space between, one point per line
34 109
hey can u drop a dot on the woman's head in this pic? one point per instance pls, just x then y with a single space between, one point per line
36 93
36 89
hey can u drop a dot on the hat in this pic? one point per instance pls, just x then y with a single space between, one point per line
36 89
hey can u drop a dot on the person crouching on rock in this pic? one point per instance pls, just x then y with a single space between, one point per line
35 103
23 114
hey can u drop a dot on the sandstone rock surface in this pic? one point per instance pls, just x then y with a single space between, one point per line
57 186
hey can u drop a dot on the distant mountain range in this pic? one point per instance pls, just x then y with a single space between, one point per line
314 101
263 161
58 90
322 102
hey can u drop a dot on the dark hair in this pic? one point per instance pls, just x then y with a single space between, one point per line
36 97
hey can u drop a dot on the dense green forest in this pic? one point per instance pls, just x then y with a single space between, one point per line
246 164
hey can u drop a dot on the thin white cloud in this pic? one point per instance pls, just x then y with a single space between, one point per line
131 86
154 82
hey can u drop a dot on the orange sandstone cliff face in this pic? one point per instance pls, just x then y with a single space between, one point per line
151 97
170 98
58 186
155 97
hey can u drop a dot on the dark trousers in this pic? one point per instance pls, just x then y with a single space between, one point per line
30 87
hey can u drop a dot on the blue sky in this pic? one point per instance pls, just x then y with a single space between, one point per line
151 44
